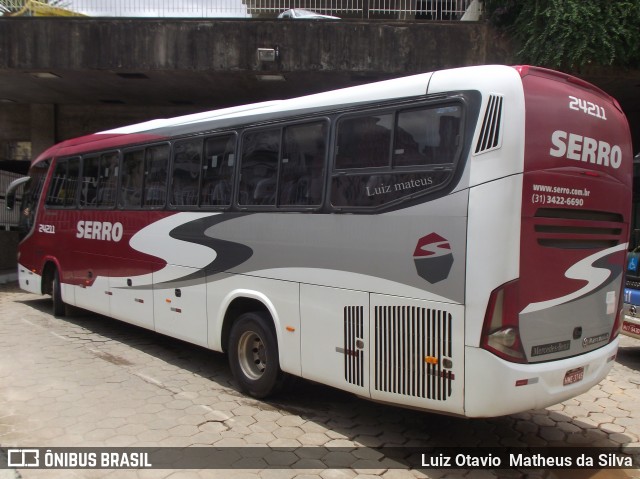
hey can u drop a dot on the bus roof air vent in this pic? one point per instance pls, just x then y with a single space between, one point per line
490 137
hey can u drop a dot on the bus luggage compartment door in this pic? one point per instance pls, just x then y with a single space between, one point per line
132 297
180 305
417 353
335 337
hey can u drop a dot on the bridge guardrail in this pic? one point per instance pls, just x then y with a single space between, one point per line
440 10
9 218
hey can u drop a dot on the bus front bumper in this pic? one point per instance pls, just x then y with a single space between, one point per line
495 387
29 281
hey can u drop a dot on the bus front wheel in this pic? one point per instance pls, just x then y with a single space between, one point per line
59 307
253 355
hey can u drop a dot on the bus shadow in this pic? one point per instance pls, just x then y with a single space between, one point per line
187 356
629 353
347 419
377 425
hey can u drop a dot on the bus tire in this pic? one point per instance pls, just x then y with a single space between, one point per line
253 355
59 308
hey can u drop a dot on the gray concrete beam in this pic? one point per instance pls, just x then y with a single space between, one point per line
190 65
230 45
43 128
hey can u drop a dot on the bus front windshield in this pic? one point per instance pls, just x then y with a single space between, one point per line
31 196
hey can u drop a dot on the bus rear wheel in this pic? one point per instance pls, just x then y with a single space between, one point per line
59 308
253 355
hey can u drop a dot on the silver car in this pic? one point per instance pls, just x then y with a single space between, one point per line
302 14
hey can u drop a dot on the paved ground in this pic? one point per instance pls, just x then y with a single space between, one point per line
86 380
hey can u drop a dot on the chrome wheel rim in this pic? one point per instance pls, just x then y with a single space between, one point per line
252 355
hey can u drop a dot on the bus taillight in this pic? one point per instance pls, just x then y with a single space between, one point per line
500 333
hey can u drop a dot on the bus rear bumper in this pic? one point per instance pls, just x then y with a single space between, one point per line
28 280
495 387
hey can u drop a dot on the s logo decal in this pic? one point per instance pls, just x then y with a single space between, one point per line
433 258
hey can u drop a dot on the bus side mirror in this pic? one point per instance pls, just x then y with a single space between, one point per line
11 191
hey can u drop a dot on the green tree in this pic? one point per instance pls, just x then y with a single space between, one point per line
570 34
8 7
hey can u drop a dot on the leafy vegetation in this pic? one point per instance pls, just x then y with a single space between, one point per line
9 7
571 34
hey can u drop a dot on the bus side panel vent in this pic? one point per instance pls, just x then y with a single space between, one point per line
411 345
354 345
489 138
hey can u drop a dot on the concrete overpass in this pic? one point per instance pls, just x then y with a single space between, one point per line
61 78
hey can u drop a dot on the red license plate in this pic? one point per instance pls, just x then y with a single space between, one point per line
630 328
573 376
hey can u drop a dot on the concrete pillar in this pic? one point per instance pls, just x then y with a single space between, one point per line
14 122
43 128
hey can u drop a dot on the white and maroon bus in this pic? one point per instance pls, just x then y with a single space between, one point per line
441 241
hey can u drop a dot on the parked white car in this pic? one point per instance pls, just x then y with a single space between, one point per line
302 14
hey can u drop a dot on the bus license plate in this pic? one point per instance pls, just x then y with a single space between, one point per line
573 376
630 328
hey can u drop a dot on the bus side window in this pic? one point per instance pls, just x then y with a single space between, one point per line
449 139
73 180
426 148
364 141
185 174
217 170
259 173
108 180
155 176
130 194
90 174
64 183
302 164
55 194
426 136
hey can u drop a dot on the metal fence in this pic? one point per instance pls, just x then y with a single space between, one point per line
9 218
368 9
